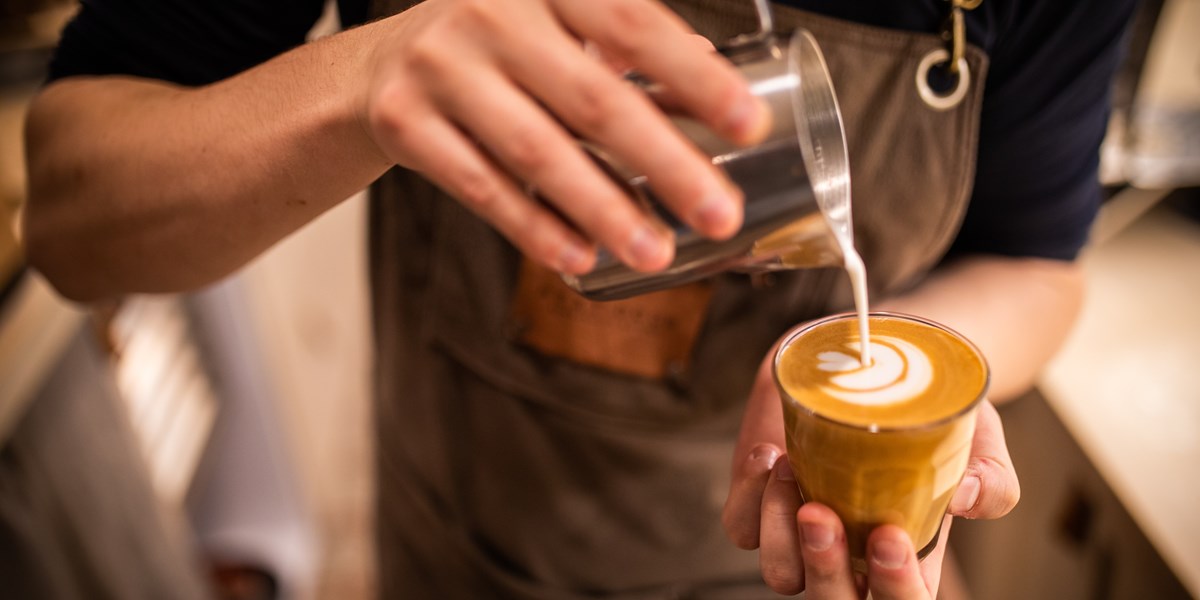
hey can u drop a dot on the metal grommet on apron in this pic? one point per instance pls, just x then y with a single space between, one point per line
934 99
955 34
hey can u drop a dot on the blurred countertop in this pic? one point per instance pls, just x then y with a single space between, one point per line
35 326
35 323
1127 382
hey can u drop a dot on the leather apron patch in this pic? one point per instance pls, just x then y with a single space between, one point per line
647 336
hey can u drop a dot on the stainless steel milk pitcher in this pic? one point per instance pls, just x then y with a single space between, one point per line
796 182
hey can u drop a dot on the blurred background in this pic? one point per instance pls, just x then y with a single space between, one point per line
245 407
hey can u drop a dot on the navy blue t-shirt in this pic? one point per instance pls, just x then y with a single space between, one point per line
1045 107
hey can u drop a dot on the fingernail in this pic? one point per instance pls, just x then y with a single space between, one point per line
765 455
966 496
647 248
817 537
716 214
889 554
783 471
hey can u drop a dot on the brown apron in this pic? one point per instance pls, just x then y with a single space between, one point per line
509 469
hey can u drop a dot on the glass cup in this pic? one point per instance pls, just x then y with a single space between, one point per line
871 458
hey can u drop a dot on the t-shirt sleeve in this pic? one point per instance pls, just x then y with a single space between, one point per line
1045 113
191 42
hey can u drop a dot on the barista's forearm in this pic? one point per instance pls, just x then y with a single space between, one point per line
1018 311
142 186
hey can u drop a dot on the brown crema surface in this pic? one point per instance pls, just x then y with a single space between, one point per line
959 373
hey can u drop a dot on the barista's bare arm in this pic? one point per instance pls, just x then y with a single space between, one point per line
138 185
142 186
1017 310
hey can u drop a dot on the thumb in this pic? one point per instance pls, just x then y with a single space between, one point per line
989 488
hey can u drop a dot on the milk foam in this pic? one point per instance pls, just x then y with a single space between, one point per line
898 372
858 282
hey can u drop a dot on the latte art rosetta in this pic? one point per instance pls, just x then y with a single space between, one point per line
918 373
899 371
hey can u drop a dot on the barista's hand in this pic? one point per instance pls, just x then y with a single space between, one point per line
485 97
805 547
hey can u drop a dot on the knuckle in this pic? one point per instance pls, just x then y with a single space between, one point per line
776 510
821 570
780 504
426 54
479 190
782 579
388 116
1000 486
629 22
738 529
596 105
528 152
474 15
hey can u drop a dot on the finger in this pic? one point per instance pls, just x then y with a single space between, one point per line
532 146
931 565
655 40
619 66
779 541
827 573
892 569
741 515
600 107
457 166
989 488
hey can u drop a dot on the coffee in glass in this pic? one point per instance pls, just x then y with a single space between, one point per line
885 442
